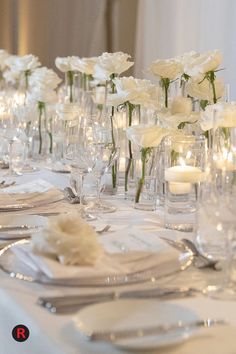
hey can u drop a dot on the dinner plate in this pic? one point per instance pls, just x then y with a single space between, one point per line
21 225
149 269
136 314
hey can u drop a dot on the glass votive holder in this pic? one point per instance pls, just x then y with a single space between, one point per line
184 161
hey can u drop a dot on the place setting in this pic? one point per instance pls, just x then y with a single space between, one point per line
117 206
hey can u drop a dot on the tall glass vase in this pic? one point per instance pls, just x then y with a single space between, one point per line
132 118
40 133
71 84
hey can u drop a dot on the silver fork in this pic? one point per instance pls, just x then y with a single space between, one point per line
185 245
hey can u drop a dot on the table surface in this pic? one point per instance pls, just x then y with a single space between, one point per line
55 333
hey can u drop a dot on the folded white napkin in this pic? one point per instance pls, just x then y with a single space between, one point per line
107 264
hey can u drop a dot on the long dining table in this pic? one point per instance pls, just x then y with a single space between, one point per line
130 229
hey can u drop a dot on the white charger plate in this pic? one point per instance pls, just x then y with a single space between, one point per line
35 221
129 314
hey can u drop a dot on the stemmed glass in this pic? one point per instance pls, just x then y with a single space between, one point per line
105 156
10 129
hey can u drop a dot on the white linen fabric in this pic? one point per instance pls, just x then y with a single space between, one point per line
55 333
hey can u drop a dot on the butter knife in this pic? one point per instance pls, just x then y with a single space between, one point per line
112 336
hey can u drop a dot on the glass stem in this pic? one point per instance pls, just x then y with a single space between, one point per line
10 158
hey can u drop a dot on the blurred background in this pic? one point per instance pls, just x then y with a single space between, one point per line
146 29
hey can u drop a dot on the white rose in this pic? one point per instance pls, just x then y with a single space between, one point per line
172 121
3 57
11 77
24 63
44 76
202 63
166 69
66 64
43 94
111 63
182 105
218 115
198 88
146 135
85 65
136 91
187 58
70 239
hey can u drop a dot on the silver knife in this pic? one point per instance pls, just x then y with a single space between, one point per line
112 336
18 227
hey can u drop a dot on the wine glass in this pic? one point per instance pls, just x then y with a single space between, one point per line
10 129
105 156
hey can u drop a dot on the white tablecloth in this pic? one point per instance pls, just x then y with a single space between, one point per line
54 334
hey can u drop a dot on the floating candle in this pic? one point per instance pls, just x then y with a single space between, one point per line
184 174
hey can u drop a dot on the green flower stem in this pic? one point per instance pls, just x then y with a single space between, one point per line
130 108
27 74
50 136
41 108
70 78
145 152
114 167
165 82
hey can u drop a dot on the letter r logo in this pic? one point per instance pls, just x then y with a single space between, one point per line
20 333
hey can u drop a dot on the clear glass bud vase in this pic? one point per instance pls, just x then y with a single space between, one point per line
41 136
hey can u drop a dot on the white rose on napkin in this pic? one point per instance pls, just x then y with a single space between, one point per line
203 63
199 88
167 69
136 91
44 76
146 135
84 65
66 64
221 114
111 63
25 63
70 239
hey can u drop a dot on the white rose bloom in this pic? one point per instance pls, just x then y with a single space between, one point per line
3 57
44 76
167 69
222 114
136 91
146 135
70 239
11 77
24 63
202 63
111 63
198 88
182 105
11 60
85 65
43 94
66 64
